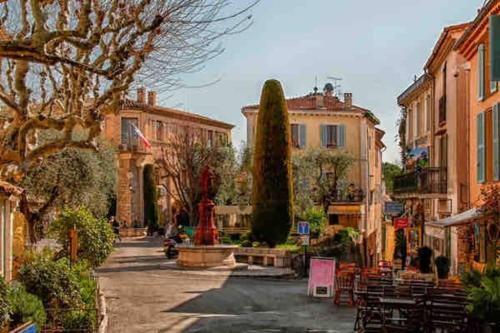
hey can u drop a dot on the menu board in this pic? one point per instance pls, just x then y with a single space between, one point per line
321 277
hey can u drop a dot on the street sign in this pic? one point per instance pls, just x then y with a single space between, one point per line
304 240
393 208
303 228
401 223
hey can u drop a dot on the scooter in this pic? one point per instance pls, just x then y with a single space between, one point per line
169 245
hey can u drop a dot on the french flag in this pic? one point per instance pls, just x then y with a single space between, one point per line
141 136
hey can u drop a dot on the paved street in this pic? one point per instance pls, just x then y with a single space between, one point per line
142 296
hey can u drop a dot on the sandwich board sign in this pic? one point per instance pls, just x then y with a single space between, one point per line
303 228
321 277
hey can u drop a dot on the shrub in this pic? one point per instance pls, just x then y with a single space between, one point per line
95 236
246 243
25 307
442 266
472 278
151 208
272 176
53 281
424 259
225 240
5 308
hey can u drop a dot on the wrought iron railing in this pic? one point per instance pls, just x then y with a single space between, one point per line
426 180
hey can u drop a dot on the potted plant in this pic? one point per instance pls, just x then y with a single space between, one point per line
484 303
424 259
442 266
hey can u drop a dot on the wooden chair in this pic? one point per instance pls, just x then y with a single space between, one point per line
410 319
344 283
446 310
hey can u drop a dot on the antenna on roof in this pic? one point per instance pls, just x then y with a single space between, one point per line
336 85
315 84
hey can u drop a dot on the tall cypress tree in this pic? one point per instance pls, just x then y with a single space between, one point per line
272 175
151 208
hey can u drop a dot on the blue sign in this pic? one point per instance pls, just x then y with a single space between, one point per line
393 208
31 328
303 228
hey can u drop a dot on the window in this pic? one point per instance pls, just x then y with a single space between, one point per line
496 141
128 135
210 138
443 151
298 135
409 125
481 151
332 136
480 71
419 120
427 113
159 130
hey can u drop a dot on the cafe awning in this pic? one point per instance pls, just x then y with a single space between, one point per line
458 219
346 209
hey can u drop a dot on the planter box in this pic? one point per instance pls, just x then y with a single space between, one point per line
133 232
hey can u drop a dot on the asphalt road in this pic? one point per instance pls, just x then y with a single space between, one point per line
143 297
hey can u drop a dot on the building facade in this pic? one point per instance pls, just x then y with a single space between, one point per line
9 201
322 120
157 124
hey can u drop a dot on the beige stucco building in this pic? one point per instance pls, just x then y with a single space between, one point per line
322 120
157 124
9 201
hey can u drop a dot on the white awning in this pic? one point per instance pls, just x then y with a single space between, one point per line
462 218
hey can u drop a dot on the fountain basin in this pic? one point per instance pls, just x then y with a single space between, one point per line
206 256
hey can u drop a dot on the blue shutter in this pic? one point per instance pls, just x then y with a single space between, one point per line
496 142
324 136
481 153
480 71
302 136
341 134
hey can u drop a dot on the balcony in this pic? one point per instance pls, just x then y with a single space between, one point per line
432 180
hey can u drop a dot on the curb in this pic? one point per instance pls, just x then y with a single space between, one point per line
103 314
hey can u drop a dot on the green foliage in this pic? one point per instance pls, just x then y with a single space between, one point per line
74 178
5 307
25 307
95 236
424 255
151 208
343 245
317 220
289 247
473 277
272 192
320 176
390 171
442 266
484 300
51 280
225 240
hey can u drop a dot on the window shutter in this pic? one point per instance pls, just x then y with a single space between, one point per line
481 71
302 135
480 148
496 142
324 136
495 48
341 134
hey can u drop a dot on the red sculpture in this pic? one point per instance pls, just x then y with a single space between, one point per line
206 231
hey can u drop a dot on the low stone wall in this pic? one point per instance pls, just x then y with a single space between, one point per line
263 256
133 232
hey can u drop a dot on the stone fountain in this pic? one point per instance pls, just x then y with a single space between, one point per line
207 252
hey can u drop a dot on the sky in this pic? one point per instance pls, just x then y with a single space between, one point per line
376 47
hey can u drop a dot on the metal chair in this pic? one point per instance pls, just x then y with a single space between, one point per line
344 283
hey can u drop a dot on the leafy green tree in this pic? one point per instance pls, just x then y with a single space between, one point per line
71 178
95 236
319 177
390 171
151 207
272 190
317 220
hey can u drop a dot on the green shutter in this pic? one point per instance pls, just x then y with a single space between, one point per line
481 152
341 134
324 136
302 136
480 71
495 48
496 142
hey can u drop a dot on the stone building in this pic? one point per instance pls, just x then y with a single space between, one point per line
157 124
323 120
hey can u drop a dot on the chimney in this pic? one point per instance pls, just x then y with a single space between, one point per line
152 98
141 95
347 101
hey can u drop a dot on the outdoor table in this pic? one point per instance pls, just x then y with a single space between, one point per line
393 303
